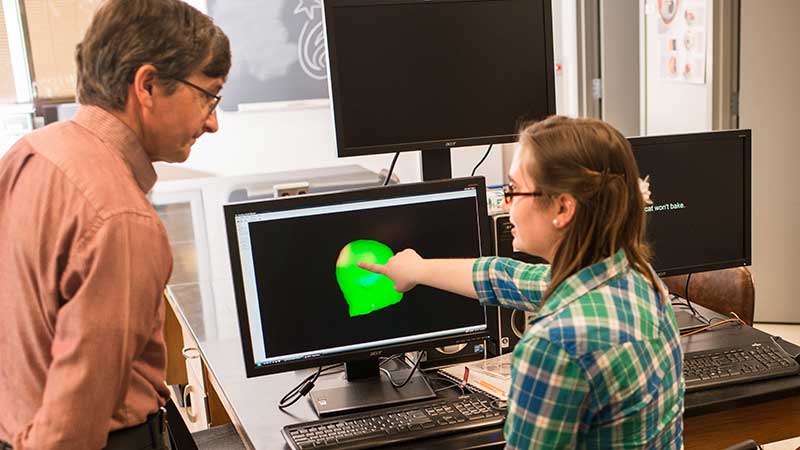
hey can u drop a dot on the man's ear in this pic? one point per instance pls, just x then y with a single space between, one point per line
566 204
144 85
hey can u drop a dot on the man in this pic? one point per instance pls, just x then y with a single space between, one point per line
83 256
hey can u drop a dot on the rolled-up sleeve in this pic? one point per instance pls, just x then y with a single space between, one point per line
510 283
112 287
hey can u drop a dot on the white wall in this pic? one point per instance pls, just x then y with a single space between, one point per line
769 66
565 55
277 139
668 106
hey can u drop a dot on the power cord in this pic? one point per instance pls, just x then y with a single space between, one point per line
303 388
734 319
489 150
391 169
410 374
686 293
676 301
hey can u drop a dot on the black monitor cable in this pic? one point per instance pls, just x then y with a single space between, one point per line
303 388
688 303
486 155
391 169
410 374
686 293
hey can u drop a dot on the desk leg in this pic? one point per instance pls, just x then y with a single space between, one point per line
173 338
216 412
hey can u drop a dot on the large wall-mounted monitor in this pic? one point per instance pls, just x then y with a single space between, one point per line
430 75
302 302
700 218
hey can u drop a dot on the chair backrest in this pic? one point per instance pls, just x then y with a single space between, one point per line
723 291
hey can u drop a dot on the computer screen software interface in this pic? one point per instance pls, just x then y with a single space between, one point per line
306 298
700 211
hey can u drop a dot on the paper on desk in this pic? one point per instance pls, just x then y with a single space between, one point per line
491 376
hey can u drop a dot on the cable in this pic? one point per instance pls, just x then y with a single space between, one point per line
482 160
686 293
714 325
303 388
500 405
450 384
676 301
411 374
391 169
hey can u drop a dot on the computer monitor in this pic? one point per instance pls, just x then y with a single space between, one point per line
303 303
435 74
700 186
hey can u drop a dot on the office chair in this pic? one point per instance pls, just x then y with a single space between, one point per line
746 445
221 437
723 291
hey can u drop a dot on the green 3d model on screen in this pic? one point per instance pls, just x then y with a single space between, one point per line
364 291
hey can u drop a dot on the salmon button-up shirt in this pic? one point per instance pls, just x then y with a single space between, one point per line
83 263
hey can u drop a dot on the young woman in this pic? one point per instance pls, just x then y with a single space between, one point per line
600 365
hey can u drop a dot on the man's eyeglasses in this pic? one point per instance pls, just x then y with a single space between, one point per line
213 99
509 193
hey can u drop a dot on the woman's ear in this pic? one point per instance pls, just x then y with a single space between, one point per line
565 210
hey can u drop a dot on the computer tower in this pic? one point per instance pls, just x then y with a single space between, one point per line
453 354
506 325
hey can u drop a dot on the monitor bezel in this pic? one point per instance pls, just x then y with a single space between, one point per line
746 136
324 199
439 144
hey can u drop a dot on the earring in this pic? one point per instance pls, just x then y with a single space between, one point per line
555 223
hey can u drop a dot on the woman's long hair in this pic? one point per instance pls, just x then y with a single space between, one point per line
593 162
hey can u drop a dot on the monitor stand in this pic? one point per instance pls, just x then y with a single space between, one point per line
437 164
367 388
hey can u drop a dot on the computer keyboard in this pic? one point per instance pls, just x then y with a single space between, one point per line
732 365
396 424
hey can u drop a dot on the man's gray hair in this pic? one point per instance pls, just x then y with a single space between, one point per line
126 34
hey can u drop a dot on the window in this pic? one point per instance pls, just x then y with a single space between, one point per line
54 28
8 92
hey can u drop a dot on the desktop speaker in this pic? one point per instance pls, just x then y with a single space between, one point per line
506 325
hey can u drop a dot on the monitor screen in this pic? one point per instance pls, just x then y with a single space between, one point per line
434 74
700 189
302 302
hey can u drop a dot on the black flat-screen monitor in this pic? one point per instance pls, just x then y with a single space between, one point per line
435 74
301 300
700 218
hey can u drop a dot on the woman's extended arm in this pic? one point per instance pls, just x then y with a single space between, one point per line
407 269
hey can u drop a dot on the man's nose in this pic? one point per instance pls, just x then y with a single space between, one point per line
211 125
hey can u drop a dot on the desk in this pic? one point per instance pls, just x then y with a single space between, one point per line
201 295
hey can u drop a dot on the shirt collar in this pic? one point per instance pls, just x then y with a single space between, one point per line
121 139
585 280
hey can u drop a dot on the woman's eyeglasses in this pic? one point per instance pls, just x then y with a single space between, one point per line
509 193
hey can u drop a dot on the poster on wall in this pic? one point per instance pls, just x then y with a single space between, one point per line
682 40
279 52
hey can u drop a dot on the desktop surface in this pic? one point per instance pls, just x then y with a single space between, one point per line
202 297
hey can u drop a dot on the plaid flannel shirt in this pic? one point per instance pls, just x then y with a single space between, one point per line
600 366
